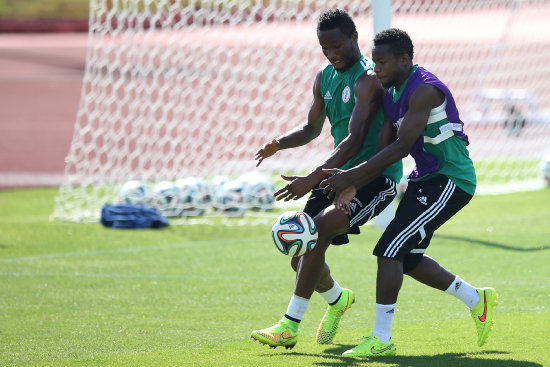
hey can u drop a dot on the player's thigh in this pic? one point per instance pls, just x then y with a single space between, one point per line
425 207
331 222
371 200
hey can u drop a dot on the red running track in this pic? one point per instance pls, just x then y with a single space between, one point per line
40 84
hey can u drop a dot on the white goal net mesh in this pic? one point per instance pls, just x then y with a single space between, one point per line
175 89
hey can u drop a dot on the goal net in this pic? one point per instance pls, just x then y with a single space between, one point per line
176 89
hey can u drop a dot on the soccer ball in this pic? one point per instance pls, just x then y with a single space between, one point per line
258 192
167 198
294 233
229 198
134 192
546 170
196 195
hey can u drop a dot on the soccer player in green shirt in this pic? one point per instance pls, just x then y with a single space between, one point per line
348 93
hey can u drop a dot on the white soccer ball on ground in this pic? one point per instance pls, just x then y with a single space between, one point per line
134 192
258 191
545 170
229 198
196 195
167 198
294 233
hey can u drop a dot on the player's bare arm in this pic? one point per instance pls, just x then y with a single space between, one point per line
303 134
388 133
368 93
422 100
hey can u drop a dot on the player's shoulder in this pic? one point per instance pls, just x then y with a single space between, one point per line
425 95
366 63
367 80
319 76
328 68
366 68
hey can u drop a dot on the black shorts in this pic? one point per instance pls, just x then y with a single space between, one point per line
369 201
425 206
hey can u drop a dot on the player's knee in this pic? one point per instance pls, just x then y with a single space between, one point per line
327 231
411 262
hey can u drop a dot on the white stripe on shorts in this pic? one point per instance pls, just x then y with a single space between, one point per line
421 221
369 209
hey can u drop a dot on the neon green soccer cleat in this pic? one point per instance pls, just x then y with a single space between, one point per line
329 324
279 335
372 347
482 313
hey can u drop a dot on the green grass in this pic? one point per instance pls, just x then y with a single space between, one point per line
83 295
40 9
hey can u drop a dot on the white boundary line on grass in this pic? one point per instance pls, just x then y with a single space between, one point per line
129 249
17 274
32 179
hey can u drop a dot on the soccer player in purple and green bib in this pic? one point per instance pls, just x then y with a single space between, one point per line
421 113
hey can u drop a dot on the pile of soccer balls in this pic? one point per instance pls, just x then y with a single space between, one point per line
192 196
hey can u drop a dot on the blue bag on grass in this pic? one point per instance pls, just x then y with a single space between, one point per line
132 216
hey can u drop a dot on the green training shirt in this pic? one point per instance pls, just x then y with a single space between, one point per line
337 91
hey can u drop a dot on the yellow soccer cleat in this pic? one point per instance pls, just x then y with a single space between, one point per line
372 347
283 334
329 324
482 313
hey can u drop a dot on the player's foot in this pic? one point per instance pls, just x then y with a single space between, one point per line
329 324
282 334
482 313
372 346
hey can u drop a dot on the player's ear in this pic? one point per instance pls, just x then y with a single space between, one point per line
404 59
355 36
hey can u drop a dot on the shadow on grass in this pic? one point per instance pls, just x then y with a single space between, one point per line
492 244
444 360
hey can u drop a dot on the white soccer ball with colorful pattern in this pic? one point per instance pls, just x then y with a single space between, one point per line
294 233
134 192
229 198
196 195
258 191
545 170
167 198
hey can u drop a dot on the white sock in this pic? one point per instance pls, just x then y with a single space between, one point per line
332 295
382 321
464 292
297 307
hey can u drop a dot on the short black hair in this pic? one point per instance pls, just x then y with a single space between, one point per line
336 18
399 41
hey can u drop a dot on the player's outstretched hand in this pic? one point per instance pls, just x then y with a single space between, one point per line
339 187
269 148
295 189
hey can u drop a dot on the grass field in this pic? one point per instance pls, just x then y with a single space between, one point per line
39 9
83 295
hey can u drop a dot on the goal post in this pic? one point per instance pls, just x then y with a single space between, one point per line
175 89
